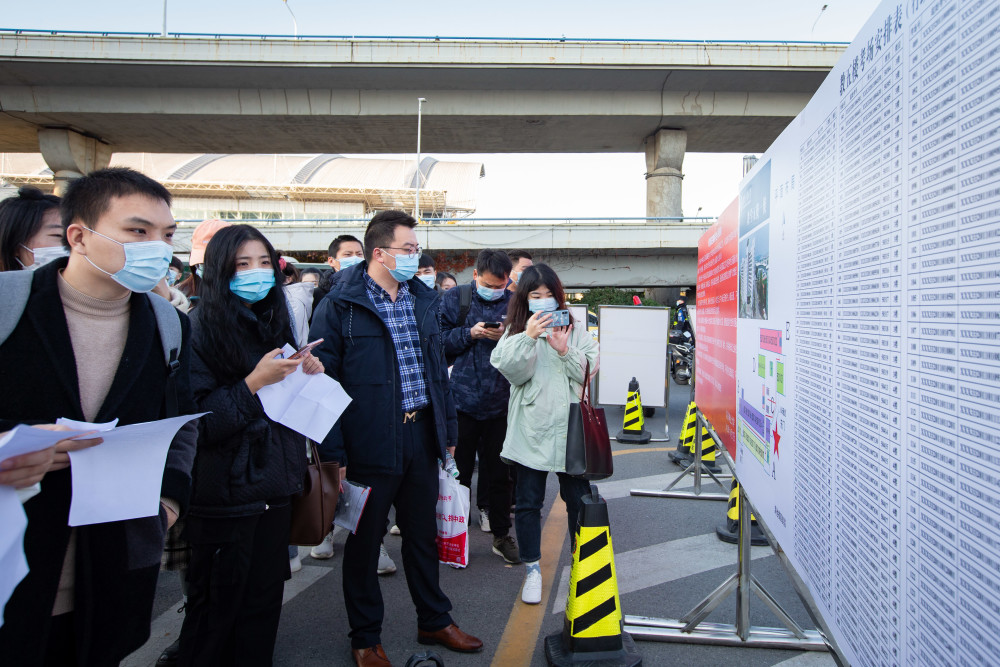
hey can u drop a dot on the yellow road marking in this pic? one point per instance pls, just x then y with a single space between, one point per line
642 449
517 645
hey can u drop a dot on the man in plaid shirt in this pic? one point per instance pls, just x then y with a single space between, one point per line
382 342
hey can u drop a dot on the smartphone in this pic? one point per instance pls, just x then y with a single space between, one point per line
306 349
492 325
560 318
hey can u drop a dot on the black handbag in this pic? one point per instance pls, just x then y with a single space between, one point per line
588 445
313 509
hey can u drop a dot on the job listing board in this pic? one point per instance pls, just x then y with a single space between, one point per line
868 356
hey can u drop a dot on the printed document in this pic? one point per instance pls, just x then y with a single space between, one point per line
307 404
351 504
121 478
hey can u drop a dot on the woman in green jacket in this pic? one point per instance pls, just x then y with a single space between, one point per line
545 366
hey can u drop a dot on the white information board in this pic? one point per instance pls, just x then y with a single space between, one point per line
633 344
868 359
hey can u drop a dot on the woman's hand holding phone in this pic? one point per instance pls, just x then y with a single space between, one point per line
271 369
537 323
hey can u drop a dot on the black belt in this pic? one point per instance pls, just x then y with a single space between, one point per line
416 415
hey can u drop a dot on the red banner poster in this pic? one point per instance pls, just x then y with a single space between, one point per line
715 333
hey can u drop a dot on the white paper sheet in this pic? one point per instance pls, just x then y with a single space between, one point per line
26 439
121 478
87 426
13 564
307 404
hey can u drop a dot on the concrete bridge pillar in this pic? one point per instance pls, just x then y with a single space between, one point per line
70 155
664 157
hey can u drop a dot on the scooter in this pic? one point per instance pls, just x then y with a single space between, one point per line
681 356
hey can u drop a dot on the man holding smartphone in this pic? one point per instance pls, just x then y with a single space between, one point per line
472 323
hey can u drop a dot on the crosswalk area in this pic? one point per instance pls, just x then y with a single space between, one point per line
667 559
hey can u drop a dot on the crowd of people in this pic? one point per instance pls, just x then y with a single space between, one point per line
436 370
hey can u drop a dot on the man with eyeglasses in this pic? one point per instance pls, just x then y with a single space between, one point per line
383 343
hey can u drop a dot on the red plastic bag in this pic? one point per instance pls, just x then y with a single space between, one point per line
452 521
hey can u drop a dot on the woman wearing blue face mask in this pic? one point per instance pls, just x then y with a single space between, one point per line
545 366
247 466
31 232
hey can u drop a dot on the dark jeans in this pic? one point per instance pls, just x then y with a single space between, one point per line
414 494
486 437
530 494
236 578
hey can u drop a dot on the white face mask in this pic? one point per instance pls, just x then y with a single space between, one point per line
44 255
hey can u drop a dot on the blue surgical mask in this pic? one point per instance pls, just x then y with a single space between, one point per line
252 285
546 305
515 276
406 267
348 262
488 293
428 279
146 263
173 277
43 256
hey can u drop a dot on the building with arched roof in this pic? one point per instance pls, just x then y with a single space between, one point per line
286 187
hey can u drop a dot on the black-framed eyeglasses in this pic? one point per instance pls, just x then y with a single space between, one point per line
409 252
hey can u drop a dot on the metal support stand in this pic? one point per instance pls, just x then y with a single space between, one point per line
697 470
690 629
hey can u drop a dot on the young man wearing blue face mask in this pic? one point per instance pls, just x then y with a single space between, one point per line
472 328
425 271
382 342
88 347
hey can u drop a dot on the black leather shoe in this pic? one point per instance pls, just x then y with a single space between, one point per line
170 654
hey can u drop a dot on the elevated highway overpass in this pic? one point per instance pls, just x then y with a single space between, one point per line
140 93
79 97
594 252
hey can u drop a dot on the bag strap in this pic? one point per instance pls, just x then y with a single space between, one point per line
464 303
586 384
15 286
168 322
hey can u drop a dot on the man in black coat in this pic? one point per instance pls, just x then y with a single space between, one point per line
88 597
382 342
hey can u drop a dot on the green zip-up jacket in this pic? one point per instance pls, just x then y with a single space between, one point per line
542 386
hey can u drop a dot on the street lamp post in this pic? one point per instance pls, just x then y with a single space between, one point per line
164 34
420 177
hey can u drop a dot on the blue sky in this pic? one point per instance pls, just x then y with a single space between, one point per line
542 185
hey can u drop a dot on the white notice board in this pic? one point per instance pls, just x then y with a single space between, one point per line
579 313
633 344
868 354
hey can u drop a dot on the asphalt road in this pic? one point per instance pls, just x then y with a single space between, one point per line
667 560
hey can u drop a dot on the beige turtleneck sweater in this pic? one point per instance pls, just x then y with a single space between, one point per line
98 330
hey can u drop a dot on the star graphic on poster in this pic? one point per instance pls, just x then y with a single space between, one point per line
777 437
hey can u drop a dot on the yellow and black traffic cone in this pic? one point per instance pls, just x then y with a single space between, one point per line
592 633
632 429
730 532
687 447
682 456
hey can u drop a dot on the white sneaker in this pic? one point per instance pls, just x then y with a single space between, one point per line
295 563
484 520
324 549
394 530
531 591
385 564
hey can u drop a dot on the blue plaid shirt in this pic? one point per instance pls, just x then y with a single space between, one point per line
399 317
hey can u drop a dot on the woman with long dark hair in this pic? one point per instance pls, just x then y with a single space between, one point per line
31 231
247 466
545 366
